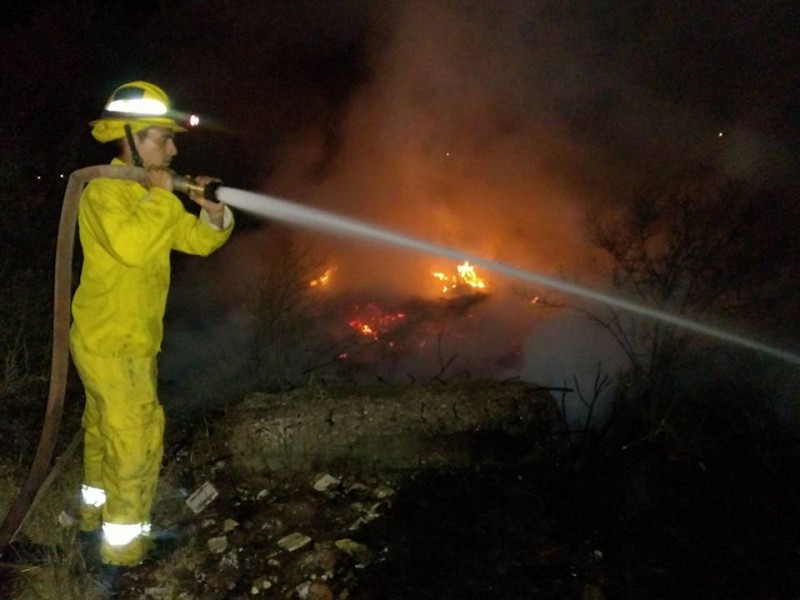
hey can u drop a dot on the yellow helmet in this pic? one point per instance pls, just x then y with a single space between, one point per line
137 104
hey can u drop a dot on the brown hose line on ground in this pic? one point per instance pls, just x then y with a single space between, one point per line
59 366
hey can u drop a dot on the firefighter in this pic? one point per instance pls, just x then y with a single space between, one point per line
127 231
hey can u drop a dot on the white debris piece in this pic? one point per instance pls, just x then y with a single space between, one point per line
293 541
202 497
65 519
302 590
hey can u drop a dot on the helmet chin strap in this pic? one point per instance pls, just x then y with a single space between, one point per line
135 156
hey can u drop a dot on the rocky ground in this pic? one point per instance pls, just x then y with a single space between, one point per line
252 511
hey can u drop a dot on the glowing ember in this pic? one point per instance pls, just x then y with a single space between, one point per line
322 280
373 322
466 277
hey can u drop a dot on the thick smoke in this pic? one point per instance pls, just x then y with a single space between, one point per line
492 128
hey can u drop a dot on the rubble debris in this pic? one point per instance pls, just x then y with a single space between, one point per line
294 541
367 514
259 584
284 533
66 520
201 497
231 559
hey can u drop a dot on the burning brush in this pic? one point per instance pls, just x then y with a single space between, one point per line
465 279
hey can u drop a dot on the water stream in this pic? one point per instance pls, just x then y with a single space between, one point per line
296 214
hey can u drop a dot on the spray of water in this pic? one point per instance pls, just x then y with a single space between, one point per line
290 212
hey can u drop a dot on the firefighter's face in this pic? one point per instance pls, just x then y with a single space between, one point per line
158 148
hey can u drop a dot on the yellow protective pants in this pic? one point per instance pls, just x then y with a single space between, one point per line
123 424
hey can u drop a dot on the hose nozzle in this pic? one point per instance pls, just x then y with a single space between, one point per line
185 184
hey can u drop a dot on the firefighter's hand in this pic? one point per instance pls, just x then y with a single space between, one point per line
214 210
160 177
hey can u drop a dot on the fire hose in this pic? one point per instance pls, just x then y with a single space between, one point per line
59 365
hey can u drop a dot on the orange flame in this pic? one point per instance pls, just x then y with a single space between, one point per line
466 276
322 280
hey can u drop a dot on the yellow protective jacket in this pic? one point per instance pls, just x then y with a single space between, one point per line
127 233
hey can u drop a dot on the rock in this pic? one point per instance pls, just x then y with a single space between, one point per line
218 545
319 590
324 482
352 548
383 491
326 559
229 525
398 427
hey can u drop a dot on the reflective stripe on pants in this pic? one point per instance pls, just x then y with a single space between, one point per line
123 424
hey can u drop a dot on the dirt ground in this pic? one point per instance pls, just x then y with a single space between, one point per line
509 523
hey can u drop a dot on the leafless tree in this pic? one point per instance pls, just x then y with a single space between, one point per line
719 253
